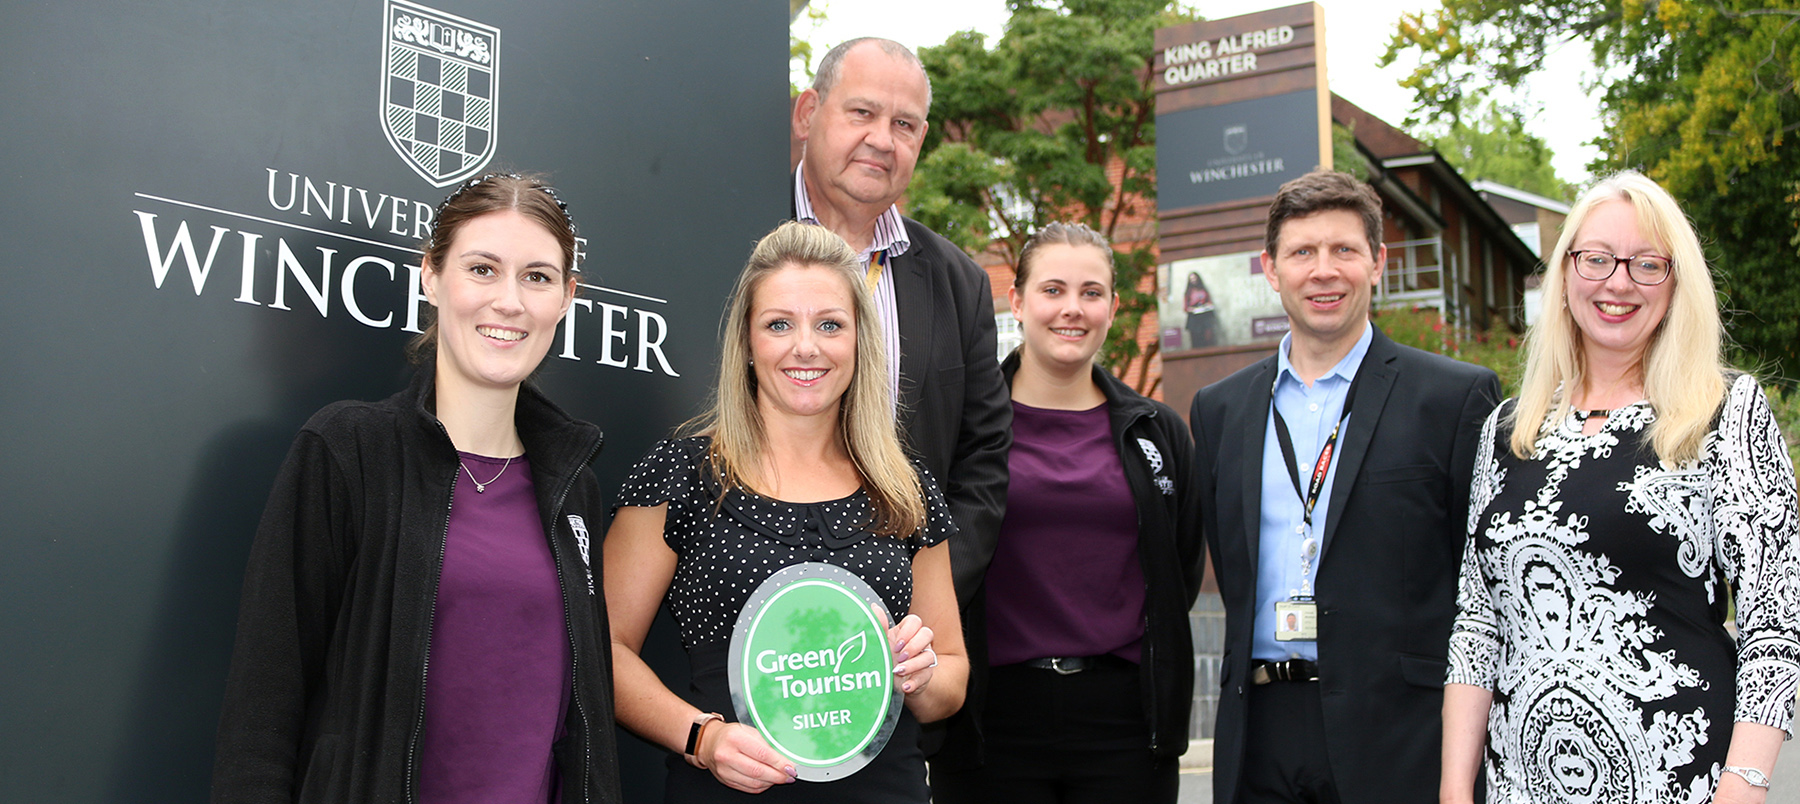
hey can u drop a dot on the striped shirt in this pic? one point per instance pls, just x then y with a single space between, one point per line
890 240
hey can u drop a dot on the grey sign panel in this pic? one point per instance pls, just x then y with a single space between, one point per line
1235 151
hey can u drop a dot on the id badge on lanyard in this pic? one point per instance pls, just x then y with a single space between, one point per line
1296 619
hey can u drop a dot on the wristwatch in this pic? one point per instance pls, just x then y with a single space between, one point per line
693 740
1755 777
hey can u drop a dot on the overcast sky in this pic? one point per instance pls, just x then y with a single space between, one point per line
1356 34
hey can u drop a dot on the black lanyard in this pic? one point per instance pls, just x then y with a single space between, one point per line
1310 496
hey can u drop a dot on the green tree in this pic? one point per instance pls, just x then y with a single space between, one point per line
800 49
1056 121
1496 147
1699 95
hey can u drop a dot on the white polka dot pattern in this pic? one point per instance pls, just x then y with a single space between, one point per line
729 547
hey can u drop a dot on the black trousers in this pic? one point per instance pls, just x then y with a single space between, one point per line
1066 739
1284 746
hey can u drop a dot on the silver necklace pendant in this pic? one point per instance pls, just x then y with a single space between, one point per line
481 487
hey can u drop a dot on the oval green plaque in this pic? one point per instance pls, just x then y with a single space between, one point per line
811 670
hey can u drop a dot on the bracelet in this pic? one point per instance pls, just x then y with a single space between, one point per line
1753 776
694 732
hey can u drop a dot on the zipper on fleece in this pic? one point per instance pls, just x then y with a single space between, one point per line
562 584
1143 563
437 573
412 743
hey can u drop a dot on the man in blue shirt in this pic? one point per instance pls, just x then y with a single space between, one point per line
1335 488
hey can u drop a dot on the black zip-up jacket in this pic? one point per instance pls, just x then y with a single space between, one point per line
325 700
1157 453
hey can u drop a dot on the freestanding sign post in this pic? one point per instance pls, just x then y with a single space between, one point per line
1242 107
809 667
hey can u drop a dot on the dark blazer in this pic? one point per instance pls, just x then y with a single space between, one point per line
955 412
1390 552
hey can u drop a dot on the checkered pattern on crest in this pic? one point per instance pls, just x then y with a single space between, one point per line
438 111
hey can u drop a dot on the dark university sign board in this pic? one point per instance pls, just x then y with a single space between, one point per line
212 222
1241 107
1218 154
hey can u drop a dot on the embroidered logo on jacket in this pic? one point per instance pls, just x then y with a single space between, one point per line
1154 456
581 542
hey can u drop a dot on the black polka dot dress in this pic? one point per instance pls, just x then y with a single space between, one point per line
726 548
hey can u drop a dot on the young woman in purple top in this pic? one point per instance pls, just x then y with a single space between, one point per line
419 620
1082 615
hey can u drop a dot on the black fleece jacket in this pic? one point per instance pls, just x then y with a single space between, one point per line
1157 453
325 699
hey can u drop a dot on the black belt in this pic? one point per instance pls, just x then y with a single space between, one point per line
1262 672
1064 665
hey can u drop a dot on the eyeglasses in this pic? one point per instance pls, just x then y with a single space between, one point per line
1644 269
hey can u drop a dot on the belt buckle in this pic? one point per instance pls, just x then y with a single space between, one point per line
1056 664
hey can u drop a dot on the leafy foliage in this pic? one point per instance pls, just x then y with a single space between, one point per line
1498 348
1497 147
800 49
1056 121
1786 403
1699 95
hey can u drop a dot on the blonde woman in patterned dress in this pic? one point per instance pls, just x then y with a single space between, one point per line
1633 490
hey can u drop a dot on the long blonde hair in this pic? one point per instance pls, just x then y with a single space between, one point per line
1683 367
865 415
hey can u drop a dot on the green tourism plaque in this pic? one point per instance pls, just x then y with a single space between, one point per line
811 670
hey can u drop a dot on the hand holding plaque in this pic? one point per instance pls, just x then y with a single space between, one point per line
741 760
913 656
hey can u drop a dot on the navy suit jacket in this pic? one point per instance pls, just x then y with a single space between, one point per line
1390 552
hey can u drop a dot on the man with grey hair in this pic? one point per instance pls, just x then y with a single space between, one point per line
861 125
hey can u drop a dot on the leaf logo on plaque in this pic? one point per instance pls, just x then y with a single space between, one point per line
810 669
439 90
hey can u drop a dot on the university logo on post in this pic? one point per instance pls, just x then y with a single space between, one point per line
439 90
1237 138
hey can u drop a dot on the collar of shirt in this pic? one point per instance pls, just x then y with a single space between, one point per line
890 232
1345 368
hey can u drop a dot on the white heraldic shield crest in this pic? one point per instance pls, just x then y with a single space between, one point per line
439 90
1237 138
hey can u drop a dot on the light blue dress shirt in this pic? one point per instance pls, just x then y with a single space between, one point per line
1310 413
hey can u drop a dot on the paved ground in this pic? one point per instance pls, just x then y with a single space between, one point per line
1784 788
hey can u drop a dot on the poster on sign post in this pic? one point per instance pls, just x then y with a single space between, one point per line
810 669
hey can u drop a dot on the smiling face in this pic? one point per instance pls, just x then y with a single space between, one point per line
862 140
802 341
499 295
1615 315
1325 272
1066 304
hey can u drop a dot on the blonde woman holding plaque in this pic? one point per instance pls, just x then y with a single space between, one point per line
797 461
1622 503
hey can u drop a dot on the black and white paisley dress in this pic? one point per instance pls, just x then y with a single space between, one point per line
1594 593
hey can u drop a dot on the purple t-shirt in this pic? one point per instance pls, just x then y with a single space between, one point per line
499 680
1065 580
